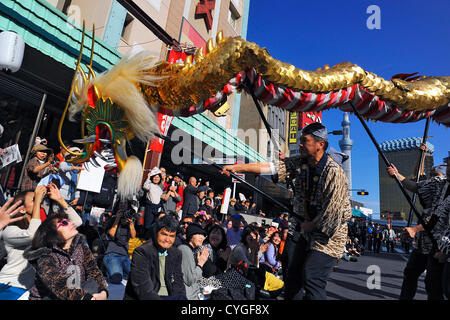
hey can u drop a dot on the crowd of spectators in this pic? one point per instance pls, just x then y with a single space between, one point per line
170 242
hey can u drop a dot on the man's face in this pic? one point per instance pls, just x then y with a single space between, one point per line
193 181
309 146
176 179
165 238
201 194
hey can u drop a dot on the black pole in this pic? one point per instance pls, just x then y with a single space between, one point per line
397 180
232 174
246 85
421 161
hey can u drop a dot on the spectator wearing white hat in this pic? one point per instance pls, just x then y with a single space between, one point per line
154 193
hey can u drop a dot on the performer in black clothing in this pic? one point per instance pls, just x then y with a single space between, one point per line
432 195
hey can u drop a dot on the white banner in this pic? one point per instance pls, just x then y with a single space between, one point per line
91 178
10 155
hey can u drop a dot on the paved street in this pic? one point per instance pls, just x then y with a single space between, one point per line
349 280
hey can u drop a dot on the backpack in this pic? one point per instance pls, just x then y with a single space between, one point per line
247 293
105 198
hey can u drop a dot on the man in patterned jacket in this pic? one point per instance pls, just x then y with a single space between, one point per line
318 227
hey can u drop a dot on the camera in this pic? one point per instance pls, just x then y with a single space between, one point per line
128 214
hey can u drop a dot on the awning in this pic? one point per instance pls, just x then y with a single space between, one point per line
210 132
358 213
46 29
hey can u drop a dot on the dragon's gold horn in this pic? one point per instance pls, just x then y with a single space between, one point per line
188 62
91 61
90 78
199 55
61 122
209 46
219 37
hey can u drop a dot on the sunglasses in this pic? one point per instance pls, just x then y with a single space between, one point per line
64 222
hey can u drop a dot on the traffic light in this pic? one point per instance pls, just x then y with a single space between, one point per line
363 193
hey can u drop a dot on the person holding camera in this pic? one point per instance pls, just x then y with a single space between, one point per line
170 199
40 165
116 259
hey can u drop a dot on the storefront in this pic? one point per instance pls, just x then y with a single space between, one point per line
32 99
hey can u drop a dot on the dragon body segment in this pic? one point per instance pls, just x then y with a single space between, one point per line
121 103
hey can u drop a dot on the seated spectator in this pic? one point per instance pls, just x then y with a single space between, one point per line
349 251
58 253
207 208
247 250
210 195
219 251
234 234
156 266
270 257
40 165
194 256
119 230
232 210
17 275
252 209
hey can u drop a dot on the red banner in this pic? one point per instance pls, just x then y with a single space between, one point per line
176 56
308 118
164 121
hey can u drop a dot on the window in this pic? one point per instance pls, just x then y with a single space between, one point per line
61 5
233 16
126 26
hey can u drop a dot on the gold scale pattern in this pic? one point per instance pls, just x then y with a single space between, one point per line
188 84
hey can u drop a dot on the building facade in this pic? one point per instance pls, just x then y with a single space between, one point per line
404 154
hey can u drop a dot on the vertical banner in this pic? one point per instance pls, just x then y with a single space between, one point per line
157 144
310 117
225 201
293 127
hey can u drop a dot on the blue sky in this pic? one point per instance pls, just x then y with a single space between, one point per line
414 37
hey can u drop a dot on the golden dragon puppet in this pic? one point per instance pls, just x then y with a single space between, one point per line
121 104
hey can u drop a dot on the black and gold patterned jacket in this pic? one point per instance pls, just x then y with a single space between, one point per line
328 207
